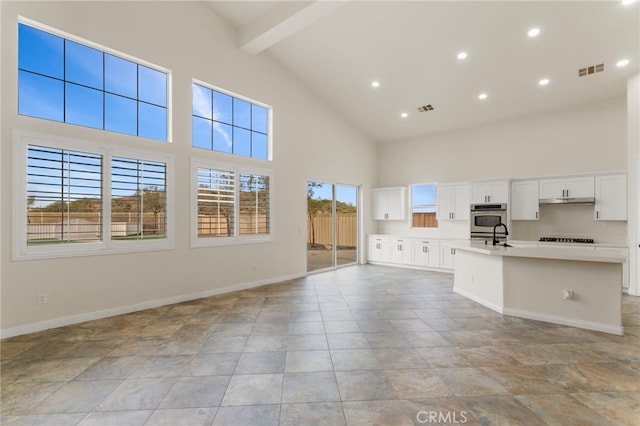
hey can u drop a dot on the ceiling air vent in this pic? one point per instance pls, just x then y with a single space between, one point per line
590 70
425 108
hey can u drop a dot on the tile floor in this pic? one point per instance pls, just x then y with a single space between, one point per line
363 345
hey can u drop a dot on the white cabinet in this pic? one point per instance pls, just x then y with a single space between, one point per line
378 249
622 251
569 187
524 200
496 191
389 203
426 253
611 197
400 249
453 202
447 257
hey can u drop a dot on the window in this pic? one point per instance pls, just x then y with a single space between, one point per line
222 122
69 195
69 81
231 205
423 205
138 199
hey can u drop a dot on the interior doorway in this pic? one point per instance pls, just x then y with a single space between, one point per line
332 225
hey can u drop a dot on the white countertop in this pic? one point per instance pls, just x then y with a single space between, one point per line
541 252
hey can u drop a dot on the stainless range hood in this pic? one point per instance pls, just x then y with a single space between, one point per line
567 200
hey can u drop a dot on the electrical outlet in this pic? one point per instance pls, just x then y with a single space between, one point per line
42 298
568 294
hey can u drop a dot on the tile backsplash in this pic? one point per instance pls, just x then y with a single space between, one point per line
570 220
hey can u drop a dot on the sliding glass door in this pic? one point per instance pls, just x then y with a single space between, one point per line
332 225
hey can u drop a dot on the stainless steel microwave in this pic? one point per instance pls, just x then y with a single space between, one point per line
484 217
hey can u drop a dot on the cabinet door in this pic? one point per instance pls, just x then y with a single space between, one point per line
552 188
447 257
446 202
400 251
378 249
524 200
420 254
462 204
580 187
480 192
611 197
499 192
380 204
389 203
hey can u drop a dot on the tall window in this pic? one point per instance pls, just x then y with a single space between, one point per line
423 205
77 197
64 80
230 205
138 199
64 196
225 123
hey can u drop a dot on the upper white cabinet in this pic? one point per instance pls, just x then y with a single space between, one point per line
496 191
611 197
389 203
453 202
524 200
569 187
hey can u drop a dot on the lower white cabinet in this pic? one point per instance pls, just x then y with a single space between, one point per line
447 257
378 249
426 253
400 249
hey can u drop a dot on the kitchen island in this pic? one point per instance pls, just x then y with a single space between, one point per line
559 285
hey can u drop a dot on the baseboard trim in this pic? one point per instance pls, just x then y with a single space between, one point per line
588 325
483 302
105 313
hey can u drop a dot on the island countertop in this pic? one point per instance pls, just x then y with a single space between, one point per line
557 253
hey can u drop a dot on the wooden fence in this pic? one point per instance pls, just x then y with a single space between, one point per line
346 232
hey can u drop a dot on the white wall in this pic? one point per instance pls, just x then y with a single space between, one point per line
633 146
191 41
585 139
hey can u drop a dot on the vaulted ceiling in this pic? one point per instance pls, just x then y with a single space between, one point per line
338 48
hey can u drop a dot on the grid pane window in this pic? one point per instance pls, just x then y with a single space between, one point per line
64 196
216 203
66 81
236 126
254 204
138 199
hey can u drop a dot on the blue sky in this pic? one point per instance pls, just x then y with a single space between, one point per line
344 193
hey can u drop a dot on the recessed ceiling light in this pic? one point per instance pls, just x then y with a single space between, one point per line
628 2
404 115
543 82
533 32
622 63
462 55
482 96
375 84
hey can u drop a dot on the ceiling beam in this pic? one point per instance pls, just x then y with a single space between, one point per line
281 21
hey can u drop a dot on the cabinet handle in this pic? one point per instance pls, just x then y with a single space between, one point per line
399 247
536 215
597 215
426 249
386 215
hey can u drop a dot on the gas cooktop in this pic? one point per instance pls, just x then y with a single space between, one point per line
566 240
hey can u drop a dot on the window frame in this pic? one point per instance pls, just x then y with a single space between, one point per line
169 108
269 109
236 238
23 251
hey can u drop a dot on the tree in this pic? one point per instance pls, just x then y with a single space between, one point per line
154 199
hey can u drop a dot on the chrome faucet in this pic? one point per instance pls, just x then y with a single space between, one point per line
506 232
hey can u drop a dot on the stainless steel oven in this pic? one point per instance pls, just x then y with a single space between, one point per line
484 217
